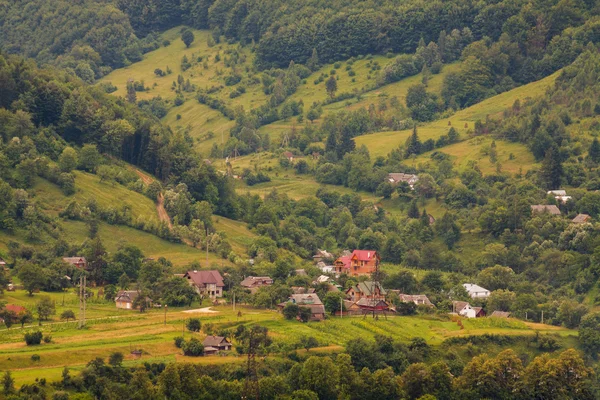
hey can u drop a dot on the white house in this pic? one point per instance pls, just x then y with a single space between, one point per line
560 195
476 291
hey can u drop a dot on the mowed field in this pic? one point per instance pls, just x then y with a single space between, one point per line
380 144
109 329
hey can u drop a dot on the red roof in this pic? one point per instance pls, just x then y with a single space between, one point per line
346 260
15 308
364 255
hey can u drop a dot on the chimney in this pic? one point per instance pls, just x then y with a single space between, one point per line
195 271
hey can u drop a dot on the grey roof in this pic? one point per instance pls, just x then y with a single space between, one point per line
473 288
308 298
251 281
127 296
500 314
215 341
367 288
75 260
202 278
402 177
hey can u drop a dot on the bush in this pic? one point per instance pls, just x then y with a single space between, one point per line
193 348
35 357
179 342
48 339
32 338
194 325
290 311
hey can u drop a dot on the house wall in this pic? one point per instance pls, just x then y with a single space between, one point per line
363 267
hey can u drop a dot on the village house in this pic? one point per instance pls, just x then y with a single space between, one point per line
372 305
77 262
350 308
360 262
476 291
289 155
560 195
464 309
312 301
214 344
302 290
326 269
396 177
126 298
541 208
206 283
252 283
367 290
581 219
323 256
418 299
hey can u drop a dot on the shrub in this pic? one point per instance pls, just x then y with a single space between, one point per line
32 338
351 73
35 357
47 338
193 348
290 311
166 42
179 342
194 325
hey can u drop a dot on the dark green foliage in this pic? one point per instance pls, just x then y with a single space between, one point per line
594 151
187 37
179 341
193 324
551 172
33 338
290 311
304 313
193 348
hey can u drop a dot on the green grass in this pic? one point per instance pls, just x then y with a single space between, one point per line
130 330
380 144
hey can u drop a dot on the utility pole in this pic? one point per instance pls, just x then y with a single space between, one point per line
82 300
234 301
341 308
165 314
542 316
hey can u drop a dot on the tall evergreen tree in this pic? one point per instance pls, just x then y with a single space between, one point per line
331 143
346 144
551 171
313 61
413 210
413 144
594 152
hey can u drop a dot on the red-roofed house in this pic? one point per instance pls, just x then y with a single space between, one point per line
206 283
15 308
360 262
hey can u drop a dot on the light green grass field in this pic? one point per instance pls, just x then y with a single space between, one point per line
124 331
380 144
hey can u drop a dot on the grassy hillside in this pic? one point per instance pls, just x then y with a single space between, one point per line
111 330
380 144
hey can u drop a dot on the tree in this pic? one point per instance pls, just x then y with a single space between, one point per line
89 157
9 317
304 313
290 310
551 171
67 314
448 230
31 277
589 334
496 277
333 301
187 36
8 384
413 144
308 342
318 374
413 210
131 93
313 61
68 160
594 151
25 317
194 325
44 308
493 153
115 359
331 86
500 300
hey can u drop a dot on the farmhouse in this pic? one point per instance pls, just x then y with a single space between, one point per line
476 291
464 309
560 195
360 262
254 282
126 298
368 290
77 262
418 299
206 283
311 301
372 305
540 208
581 219
218 343
289 155
323 255
397 177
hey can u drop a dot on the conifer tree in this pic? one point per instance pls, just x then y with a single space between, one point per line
594 152
413 144
493 153
413 210
331 86
331 144
313 61
131 95
551 171
346 144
